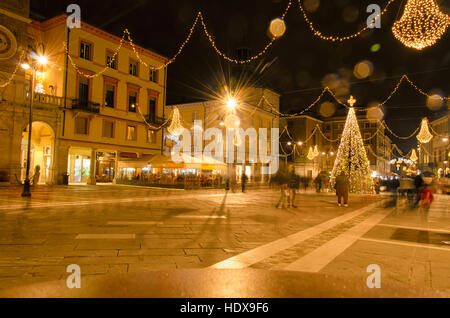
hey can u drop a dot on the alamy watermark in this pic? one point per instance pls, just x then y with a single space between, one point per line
374 279
74 279
374 20
74 17
223 149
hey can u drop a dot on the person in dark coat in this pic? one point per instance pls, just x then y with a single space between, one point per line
244 181
293 185
419 184
342 187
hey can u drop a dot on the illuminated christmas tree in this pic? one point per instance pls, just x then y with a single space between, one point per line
352 158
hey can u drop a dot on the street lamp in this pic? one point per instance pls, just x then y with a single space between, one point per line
38 61
231 103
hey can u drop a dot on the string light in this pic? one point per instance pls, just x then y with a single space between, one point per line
176 126
339 38
7 82
327 89
316 151
310 155
352 158
414 157
152 127
421 25
424 136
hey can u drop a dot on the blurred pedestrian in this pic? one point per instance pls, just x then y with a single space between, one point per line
426 197
318 183
36 175
282 180
342 187
393 185
293 185
418 183
244 181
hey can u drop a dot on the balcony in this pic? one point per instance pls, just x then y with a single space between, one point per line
155 120
90 107
43 99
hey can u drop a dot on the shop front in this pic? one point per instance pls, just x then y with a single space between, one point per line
105 167
79 163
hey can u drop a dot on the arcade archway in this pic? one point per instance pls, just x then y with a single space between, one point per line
41 152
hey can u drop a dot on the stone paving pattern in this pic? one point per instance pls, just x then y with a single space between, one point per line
38 236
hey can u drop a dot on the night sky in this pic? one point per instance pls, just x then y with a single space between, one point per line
296 66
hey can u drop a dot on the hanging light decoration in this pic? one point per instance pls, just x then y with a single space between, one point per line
424 134
176 127
421 25
316 151
413 156
310 155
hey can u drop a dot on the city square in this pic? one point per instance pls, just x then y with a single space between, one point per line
296 149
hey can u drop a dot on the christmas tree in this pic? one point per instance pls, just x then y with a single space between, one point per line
352 158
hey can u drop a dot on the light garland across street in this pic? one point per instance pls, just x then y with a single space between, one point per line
339 38
13 74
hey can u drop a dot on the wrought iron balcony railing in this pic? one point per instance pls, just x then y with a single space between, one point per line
86 106
155 120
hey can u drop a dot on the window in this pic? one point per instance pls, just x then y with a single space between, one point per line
132 99
81 125
108 129
152 110
85 50
109 95
153 76
83 91
110 60
151 136
366 125
131 132
134 67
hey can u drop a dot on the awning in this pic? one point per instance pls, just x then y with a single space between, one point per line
189 162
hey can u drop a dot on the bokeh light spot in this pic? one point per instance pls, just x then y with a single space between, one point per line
363 69
277 27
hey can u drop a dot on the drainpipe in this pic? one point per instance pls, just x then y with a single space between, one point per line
164 107
65 80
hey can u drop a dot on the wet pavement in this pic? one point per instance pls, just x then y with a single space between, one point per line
122 230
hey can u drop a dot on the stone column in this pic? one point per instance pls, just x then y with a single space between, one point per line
91 179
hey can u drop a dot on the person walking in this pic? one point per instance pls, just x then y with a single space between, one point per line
318 183
293 185
342 187
418 183
426 197
244 181
281 179
37 175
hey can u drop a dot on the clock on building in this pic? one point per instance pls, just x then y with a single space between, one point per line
8 43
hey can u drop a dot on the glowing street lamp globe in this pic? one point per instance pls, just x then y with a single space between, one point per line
231 103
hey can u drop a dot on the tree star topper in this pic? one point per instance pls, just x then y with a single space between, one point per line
351 101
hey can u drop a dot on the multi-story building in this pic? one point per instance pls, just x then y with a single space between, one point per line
87 108
328 133
434 156
256 108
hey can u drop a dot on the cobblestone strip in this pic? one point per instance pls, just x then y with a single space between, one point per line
288 256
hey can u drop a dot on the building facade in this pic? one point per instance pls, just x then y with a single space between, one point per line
257 108
434 156
310 133
95 115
